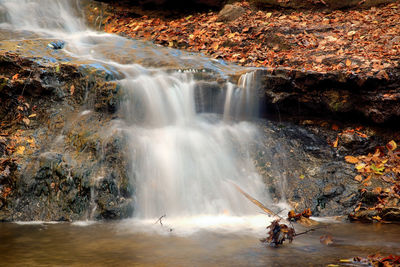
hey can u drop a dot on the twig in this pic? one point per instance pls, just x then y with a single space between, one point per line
23 89
160 220
309 230
255 201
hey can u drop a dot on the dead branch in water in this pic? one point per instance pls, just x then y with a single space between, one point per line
255 201
160 220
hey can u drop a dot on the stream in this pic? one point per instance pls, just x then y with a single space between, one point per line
184 156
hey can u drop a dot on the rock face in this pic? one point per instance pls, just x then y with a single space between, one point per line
299 166
301 93
57 161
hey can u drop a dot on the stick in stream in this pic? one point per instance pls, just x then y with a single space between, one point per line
160 220
255 201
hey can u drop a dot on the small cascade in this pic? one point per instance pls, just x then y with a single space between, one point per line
184 162
241 101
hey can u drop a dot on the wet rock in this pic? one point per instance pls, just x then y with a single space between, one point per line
344 96
65 148
300 167
230 13
56 45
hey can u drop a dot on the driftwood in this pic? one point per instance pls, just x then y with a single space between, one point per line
307 222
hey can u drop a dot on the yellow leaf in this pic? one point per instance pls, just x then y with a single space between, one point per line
348 62
351 159
72 89
360 166
32 115
377 218
269 14
345 260
335 144
20 150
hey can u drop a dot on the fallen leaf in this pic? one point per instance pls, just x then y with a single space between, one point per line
335 144
358 178
26 121
20 150
351 159
15 77
348 62
326 239
391 145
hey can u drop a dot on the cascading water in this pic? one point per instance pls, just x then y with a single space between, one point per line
183 162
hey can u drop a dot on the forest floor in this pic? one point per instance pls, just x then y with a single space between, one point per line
359 41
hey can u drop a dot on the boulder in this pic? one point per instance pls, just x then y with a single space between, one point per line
230 13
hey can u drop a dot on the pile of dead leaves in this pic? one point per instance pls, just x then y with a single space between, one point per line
383 164
352 41
278 233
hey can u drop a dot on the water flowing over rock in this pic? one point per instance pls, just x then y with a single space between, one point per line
108 127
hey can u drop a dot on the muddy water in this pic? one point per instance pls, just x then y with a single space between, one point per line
114 244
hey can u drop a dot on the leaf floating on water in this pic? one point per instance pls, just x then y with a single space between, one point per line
326 239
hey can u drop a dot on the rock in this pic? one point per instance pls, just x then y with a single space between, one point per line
338 95
230 13
300 167
56 45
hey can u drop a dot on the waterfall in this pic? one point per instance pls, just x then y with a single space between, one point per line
183 162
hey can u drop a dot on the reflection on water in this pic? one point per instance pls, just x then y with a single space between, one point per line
111 244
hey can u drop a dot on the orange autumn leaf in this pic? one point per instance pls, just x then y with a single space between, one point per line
358 178
351 159
335 144
391 145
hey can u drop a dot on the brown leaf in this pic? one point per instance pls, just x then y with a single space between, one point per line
351 159
326 239
358 178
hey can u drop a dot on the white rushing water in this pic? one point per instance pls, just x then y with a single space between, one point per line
183 162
